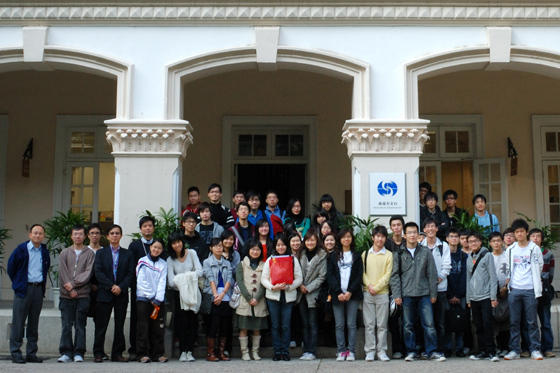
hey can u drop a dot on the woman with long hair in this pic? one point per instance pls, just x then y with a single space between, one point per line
281 298
320 216
344 275
294 213
312 258
233 257
262 233
327 203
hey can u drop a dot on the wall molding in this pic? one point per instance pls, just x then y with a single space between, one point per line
283 14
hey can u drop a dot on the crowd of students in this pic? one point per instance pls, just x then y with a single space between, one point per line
223 267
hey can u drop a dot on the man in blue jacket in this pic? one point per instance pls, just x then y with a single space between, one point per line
28 268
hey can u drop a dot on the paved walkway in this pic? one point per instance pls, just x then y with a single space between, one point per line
454 365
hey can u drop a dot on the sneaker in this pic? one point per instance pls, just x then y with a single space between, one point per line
525 354
309 357
370 356
304 356
549 354
183 357
436 356
350 356
382 356
423 356
78 359
105 357
512 355
466 351
479 356
503 353
536 355
293 344
411 357
64 359
340 356
397 355
190 357
493 358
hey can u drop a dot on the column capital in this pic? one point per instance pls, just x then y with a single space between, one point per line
163 138
385 137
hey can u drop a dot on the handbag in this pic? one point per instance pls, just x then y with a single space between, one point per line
548 292
282 269
235 297
500 313
206 305
457 319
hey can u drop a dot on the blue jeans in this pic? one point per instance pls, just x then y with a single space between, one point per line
280 318
309 323
74 314
351 308
414 308
458 336
525 300
547 338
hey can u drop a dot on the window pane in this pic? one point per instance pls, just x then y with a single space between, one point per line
245 145
88 175
88 196
496 192
76 142
450 142
430 144
550 138
556 229
76 196
282 145
87 213
76 210
296 145
554 213
89 142
463 141
484 191
553 196
496 209
495 172
483 173
552 174
259 149
76 175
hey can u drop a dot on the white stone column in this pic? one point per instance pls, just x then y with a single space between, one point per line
148 167
379 146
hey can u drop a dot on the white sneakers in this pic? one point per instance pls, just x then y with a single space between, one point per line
536 355
370 356
382 356
64 359
512 355
187 356
340 356
183 357
78 359
307 356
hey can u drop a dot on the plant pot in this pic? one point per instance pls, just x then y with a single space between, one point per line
56 297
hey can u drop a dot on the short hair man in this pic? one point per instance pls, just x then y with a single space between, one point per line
484 218
424 187
220 214
525 263
115 271
254 201
193 238
274 215
431 210
28 268
238 197
207 228
452 212
242 229
501 328
378 266
544 304
396 224
481 296
509 237
442 258
414 285
75 269
463 240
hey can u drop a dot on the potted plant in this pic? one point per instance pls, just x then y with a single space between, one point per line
362 230
4 235
58 232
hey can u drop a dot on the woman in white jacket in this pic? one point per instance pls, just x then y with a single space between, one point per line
280 299
151 275
182 261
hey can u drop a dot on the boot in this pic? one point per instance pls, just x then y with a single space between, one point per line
222 348
210 356
256 339
244 343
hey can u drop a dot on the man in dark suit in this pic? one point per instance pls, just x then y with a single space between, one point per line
115 271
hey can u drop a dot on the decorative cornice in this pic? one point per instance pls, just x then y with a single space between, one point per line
281 14
149 140
382 139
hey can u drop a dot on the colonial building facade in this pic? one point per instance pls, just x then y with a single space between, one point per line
130 103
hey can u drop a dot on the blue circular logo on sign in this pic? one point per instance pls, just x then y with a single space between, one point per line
387 188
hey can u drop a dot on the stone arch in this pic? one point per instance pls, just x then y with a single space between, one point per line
288 58
60 58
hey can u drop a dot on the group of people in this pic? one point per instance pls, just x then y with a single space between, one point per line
270 270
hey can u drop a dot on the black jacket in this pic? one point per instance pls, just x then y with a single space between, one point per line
126 273
355 281
198 244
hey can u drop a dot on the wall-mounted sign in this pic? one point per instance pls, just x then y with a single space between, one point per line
387 193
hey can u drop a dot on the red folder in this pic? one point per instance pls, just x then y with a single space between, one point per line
281 270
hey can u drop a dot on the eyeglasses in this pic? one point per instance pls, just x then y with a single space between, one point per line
473 241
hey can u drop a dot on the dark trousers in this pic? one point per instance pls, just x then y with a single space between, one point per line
73 313
396 330
310 326
151 332
218 325
439 308
133 321
280 315
484 323
102 321
25 309
186 325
